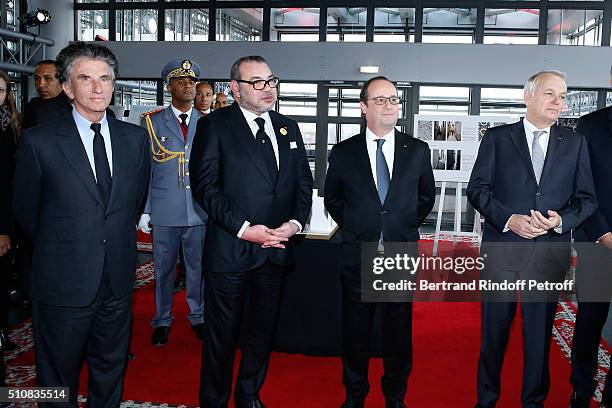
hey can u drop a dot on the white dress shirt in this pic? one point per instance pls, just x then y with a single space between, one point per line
388 149
178 112
250 118
87 138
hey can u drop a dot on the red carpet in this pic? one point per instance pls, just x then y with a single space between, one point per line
446 342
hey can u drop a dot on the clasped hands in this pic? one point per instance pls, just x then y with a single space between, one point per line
535 225
268 237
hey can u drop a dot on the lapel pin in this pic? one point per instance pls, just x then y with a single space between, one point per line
283 131
405 146
163 139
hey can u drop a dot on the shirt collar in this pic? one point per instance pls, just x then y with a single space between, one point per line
84 124
178 112
389 136
530 128
250 116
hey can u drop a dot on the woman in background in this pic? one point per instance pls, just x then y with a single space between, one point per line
9 129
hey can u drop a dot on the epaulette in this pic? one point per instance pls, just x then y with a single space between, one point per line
152 112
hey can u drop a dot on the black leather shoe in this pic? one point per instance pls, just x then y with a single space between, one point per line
199 330
394 404
160 336
351 403
578 401
251 404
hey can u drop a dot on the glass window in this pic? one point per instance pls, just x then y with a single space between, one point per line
346 24
239 24
579 103
136 25
394 25
449 25
92 23
297 107
294 89
574 27
443 100
502 102
294 24
92 1
508 26
186 25
129 93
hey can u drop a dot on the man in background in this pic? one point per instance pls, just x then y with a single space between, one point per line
204 97
220 100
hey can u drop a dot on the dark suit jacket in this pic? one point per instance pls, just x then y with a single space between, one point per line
230 181
39 111
7 168
597 130
503 183
57 204
352 199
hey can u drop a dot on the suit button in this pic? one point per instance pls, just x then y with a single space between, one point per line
383 212
275 195
187 187
103 242
538 194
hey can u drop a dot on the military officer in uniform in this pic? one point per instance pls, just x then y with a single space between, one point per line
175 217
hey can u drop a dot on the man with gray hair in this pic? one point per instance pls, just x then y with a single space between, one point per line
532 182
80 184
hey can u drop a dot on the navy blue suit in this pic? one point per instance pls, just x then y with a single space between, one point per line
503 183
84 261
593 269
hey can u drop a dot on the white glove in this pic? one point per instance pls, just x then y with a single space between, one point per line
143 224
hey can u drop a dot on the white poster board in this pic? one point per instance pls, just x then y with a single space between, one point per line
454 142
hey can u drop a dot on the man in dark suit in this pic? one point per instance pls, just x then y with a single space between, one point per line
532 182
250 173
379 188
80 184
52 102
594 271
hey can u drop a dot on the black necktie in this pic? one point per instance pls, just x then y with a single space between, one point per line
184 126
265 145
103 174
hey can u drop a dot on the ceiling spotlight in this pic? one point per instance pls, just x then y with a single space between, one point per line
38 17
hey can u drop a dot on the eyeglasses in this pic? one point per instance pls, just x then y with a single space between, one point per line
261 83
381 100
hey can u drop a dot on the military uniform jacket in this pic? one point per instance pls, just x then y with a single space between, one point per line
170 203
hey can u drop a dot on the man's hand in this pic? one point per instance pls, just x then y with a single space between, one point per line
5 244
606 240
260 234
521 226
540 221
143 224
285 231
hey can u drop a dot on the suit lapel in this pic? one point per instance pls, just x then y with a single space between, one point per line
364 166
72 147
282 140
517 134
243 134
399 162
120 156
173 124
554 141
